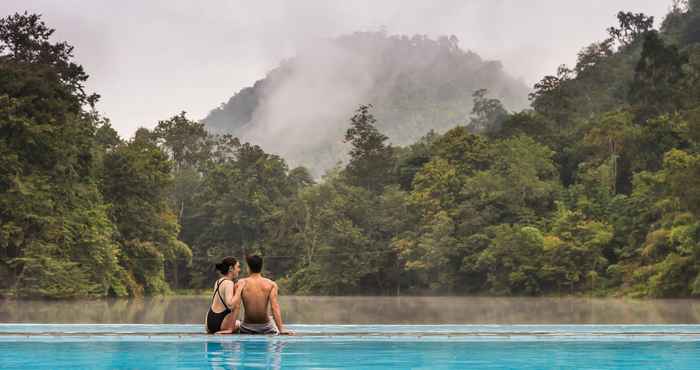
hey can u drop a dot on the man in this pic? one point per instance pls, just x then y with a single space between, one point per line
259 294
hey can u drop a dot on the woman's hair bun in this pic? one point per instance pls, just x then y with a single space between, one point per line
221 267
226 264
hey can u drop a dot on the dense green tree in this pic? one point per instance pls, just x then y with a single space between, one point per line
550 96
55 236
481 185
184 140
300 177
487 113
410 160
631 27
189 146
371 159
343 237
513 260
664 262
432 251
106 136
237 206
655 90
683 176
573 252
136 181
463 149
26 50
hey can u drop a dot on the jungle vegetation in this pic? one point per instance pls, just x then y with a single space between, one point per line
595 189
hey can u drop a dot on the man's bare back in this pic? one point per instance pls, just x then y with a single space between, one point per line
259 296
256 299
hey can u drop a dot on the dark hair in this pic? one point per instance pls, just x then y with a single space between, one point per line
254 262
226 264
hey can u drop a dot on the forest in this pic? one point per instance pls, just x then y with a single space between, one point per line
593 190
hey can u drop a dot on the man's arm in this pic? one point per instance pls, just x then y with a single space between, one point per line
276 312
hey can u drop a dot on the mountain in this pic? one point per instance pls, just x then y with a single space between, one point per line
301 109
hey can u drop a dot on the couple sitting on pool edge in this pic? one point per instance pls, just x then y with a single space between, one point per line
257 294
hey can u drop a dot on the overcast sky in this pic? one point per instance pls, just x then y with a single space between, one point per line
152 59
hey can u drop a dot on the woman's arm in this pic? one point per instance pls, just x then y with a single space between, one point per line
233 294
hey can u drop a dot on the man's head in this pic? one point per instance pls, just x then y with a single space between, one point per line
255 263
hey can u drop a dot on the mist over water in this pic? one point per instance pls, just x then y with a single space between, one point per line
368 310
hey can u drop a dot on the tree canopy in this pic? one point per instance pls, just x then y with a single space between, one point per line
593 190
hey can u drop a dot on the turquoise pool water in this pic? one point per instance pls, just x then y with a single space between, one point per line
353 347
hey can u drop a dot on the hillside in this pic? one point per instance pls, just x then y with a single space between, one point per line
300 109
593 191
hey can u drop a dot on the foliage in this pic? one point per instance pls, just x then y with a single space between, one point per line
371 160
56 239
632 25
488 113
136 181
592 191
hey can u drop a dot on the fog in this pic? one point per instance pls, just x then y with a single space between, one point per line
150 60
369 310
304 108
301 109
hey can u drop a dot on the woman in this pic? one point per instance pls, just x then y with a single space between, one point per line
226 301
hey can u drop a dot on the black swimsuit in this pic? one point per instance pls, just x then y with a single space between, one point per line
215 319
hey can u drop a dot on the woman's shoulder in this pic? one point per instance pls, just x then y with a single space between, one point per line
224 281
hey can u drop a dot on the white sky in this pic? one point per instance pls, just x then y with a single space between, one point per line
151 59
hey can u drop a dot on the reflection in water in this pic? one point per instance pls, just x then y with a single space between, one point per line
224 354
369 310
274 350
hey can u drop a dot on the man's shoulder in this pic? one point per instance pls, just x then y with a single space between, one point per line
270 281
265 281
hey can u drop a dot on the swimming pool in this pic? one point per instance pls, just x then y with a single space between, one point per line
353 346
